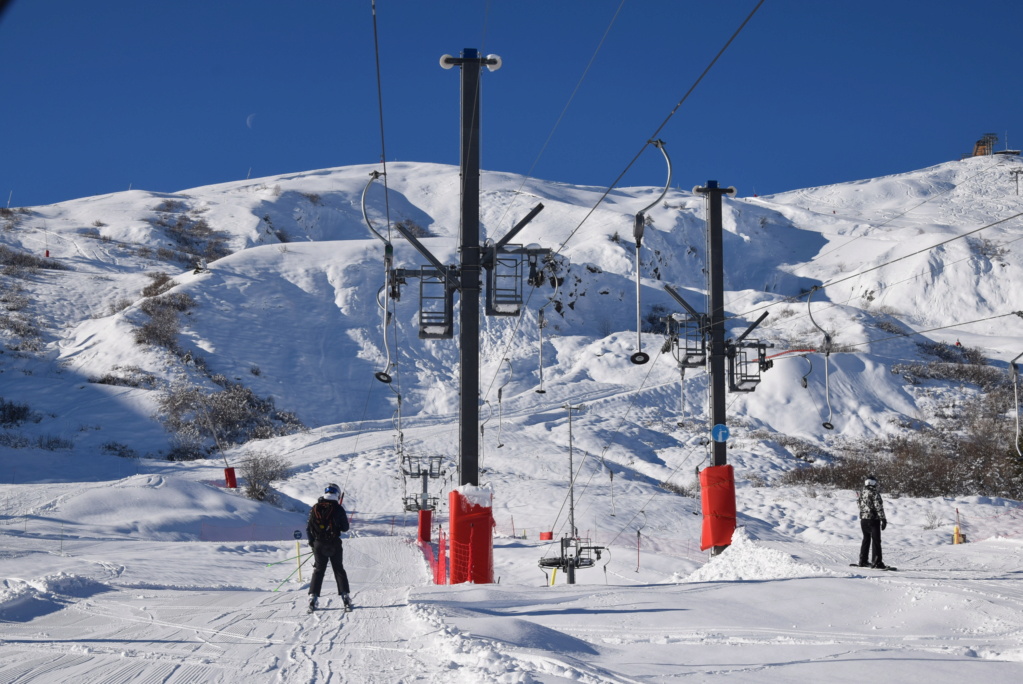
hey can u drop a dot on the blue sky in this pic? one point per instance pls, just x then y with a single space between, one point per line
107 95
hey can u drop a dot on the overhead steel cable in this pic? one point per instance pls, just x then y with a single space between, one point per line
911 209
940 327
650 139
656 133
380 109
564 110
529 173
931 198
831 283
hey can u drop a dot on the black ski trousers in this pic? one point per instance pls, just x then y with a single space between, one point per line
871 537
332 552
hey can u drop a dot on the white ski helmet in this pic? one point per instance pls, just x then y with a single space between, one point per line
871 481
332 492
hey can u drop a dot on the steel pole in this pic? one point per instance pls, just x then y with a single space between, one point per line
716 315
469 287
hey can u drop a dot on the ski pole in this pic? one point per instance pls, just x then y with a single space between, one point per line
288 559
292 573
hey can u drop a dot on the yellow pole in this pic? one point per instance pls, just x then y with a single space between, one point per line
554 573
298 558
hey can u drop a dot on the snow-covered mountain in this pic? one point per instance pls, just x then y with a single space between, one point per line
299 320
289 308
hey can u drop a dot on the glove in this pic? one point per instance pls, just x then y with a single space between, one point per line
884 524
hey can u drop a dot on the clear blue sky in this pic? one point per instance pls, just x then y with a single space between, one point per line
165 96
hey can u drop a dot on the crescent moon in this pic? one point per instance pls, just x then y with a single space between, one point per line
249 119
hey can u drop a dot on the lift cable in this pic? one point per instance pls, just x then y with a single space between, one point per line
925 272
664 123
893 218
380 108
1001 160
940 327
564 110
880 266
649 139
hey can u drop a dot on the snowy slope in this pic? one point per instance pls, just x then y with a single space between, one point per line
112 566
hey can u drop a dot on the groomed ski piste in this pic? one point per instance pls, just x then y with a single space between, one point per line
138 569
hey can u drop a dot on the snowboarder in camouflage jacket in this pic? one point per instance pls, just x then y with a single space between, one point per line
872 521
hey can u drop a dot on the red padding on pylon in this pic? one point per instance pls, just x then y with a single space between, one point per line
472 541
425 517
717 485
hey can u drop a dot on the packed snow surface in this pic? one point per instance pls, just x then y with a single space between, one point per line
118 565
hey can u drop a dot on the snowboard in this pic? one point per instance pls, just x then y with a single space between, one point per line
867 567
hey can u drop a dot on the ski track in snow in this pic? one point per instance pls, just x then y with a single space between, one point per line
105 579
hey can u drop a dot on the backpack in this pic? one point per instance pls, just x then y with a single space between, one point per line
323 520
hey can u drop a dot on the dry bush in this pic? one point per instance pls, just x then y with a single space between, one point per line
163 326
161 282
259 471
973 456
13 414
19 264
213 420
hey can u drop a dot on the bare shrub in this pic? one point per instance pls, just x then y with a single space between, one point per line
161 282
118 305
933 520
13 298
12 414
13 440
118 449
985 377
193 236
969 458
127 376
234 415
53 443
23 328
161 330
259 471
890 327
18 263
691 490
952 353
163 326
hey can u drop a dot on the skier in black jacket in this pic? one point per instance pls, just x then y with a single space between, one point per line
327 520
872 521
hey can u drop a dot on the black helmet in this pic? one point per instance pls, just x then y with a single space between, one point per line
871 481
